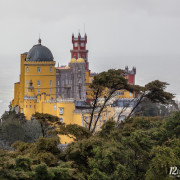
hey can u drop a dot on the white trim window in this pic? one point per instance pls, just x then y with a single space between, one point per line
38 90
50 82
54 107
50 90
50 69
27 82
27 69
61 111
38 69
38 82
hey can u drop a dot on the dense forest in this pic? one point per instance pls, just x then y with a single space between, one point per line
137 148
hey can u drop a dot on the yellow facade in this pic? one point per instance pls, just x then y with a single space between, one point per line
36 92
43 76
43 73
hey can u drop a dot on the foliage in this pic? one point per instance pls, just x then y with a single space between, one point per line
106 84
47 123
139 148
74 131
153 92
16 128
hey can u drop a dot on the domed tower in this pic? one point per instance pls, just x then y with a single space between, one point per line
37 68
40 68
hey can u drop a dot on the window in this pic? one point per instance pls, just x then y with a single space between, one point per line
38 69
75 44
82 44
30 106
27 69
130 94
58 83
51 90
50 82
27 90
121 92
38 90
38 83
61 110
50 69
26 82
61 120
100 117
54 107
86 119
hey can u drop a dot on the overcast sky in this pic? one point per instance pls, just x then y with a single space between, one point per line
140 33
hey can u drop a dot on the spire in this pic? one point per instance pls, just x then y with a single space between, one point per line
39 41
79 34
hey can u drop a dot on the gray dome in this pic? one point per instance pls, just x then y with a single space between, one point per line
39 53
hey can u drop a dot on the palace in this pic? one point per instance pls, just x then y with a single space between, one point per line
60 91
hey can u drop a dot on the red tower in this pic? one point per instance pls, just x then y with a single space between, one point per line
79 48
130 75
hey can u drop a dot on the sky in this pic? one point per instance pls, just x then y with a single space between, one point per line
140 33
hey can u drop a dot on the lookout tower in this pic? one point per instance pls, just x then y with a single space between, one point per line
79 48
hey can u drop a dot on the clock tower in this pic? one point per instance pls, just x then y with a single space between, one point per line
79 48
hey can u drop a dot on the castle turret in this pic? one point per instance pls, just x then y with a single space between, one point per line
79 48
130 75
30 101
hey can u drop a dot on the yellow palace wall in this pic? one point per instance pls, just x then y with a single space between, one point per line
42 98
44 76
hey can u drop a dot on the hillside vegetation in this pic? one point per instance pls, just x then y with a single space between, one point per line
138 148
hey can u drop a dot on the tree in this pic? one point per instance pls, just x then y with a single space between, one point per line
47 122
154 92
15 127
105 85
74 131
140 148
